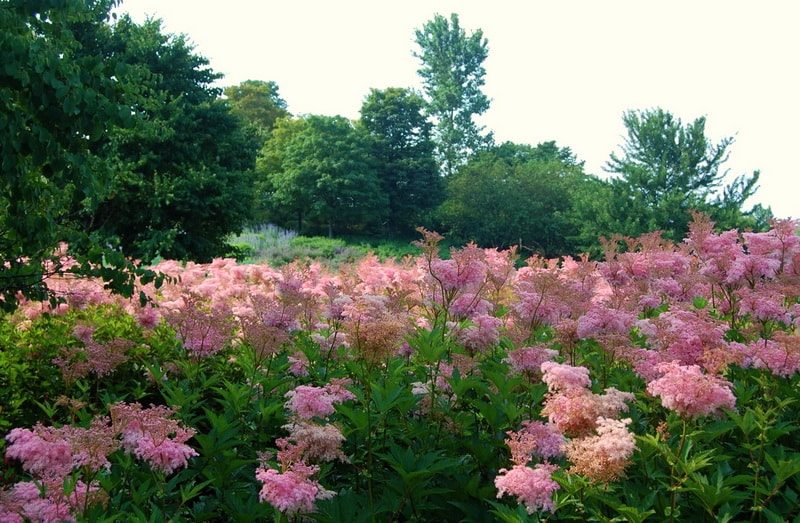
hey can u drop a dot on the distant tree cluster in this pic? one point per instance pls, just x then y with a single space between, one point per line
116 141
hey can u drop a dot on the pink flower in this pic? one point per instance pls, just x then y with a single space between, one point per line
689 392
535 439
167 455
311 442
483 334
298 364
603 458
293 490
528 360
306 401
564 377
42 451
150 434
533 487
601 320
458 274
574 411
781 356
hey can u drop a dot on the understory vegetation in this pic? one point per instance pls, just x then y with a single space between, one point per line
657 384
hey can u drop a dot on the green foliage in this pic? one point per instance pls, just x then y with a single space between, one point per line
317 174
452 74
57 99
403 150
517 195
668 169
184 169
257 103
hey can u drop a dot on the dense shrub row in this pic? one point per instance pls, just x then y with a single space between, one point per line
657 384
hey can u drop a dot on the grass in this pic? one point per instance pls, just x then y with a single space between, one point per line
275 246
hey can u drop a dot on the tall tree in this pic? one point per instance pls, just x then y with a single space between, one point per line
317 174
185 168
668 169
516 194
453 74
403 152
257 103
58 97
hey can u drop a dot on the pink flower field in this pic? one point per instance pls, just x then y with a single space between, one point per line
659 383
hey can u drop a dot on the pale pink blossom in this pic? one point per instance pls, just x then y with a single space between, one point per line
533 487
560 376
307 401
166 455
292 491
689 392
603 458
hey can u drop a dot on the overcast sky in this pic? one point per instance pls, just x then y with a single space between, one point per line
557 70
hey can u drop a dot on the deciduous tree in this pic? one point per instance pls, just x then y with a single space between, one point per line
184 169
317 173
516 194
453 74
403 151
257 103
58 97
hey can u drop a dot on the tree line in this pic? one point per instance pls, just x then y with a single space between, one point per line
116 141
421 159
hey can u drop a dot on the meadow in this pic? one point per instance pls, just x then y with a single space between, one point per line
657 384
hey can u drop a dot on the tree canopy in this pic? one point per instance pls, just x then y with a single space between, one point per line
58 98
667 169
516 194
257 103
184 169
317 174
452 74
403 150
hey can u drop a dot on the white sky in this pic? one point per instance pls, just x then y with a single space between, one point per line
557 70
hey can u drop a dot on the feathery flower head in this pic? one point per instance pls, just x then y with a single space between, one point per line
533 487
561 377
292 491
689 392
602 458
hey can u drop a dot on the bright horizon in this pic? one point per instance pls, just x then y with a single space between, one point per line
563 71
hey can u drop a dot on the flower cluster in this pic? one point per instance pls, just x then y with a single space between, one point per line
293 489
93 357
52 454
602 458
533 487
307 402
689 392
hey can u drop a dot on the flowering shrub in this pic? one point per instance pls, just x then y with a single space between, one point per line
660 382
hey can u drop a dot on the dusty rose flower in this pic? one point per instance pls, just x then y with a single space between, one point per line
292 491
602 458
564 377
534 439
533 487
311 442
689 392
528 360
